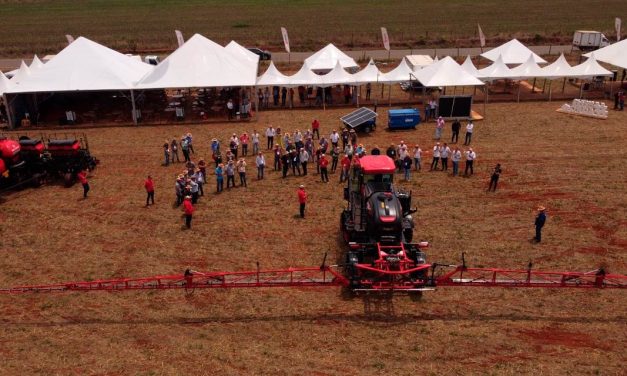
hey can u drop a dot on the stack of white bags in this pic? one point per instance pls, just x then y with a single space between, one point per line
586 108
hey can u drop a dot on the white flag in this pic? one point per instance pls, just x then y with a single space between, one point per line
69 38
481 36
179 37
617 23
286 39
386 39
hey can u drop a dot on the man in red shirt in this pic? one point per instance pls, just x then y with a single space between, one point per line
188 208
324 174
82 177
150 190
346 165
302 200
315 128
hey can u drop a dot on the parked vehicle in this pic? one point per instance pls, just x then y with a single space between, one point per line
151 59
263 54
586 40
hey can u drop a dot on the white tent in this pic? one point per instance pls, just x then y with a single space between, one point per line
469 67
84 66
305 76
200 62
445 72
370 73
21 74
589 68
272 77
615 54
528 69
337 76
5 84
36 63
326 59
418 61
512 52
558 69
401 73
496 71
241 51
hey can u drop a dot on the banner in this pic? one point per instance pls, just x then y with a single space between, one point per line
385 38
481 36
286 39
617 23
69 38
179 37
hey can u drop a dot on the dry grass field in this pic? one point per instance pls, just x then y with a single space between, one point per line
39 26
575 166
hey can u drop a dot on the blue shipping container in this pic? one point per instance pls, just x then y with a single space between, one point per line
403 119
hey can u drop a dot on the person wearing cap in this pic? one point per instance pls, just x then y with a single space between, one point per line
285 163
324 174
353 136
234 145
255 140
188 209
185 149
346 165
149 185
444 153
241 170
455 127
190 144
456 156
439 125
315 128
469 129
230 174
178 190
302 200
174 150
494 178
539 223
417 157
270 133
166 153
220 177
82 177
436 157
298 139
215 146
406 162
303 158
345 137
277 157
244 141
335 157
260 162
375 150
470 161
334 137
295 161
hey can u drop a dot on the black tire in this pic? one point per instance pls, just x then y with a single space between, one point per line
367 129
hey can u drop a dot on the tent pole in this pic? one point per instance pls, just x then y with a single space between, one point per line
543 86
581 89
518 97
382 90
324 98
134 115
533 86
390 96
256 103
7 107
564 85
550 89
358 93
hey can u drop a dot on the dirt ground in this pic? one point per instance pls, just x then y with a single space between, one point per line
574 166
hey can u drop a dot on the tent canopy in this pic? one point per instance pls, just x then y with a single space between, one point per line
272 77
528 69
615 54
370 73
5 84
401 73
201 62
305 76
469 67
418 61
325 59
337 76
23 73
589 68
496 71
83 66
559 68
445 72
512 52
239 50
36 63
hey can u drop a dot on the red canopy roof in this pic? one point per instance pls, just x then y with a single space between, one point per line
377 164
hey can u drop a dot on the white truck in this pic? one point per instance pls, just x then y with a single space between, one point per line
586 40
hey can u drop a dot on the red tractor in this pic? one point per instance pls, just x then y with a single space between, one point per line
378 227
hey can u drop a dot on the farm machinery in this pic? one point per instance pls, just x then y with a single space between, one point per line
377 226
33 161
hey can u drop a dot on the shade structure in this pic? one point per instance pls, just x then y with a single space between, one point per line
337 76
84 65
306 77
325 59
238 50
445 72
469 67
615 54
272 77
589 68
36 63
370 73
512 52
418 61
21 74
528 69
201 62
401 73
5 84
496 71
558 69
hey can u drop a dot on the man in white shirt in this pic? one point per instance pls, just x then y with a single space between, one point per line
469 128
456 156
444 153
417 157
470 159
436 157
335 138
260 161
255 139
270 133
230 107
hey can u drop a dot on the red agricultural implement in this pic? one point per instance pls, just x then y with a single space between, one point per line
378 227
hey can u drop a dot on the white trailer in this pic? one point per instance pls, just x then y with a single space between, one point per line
589 40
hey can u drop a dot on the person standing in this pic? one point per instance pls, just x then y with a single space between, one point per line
621 100
266 97
283 96
275 95
188 209
304 159
346 165
433 108
185 149
149 184
444 153
456 156
368 90
255 140
407 166
219 177
230 174
82 177
455 127
335 157
270 132
417 157
166 153
494 179
295 161
315 128
470 160
277 157
230 108
260 161
241 169
436 157
285 163
324 174
469 129
302 200
539 223
244 141
190 143
439 125
174 151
